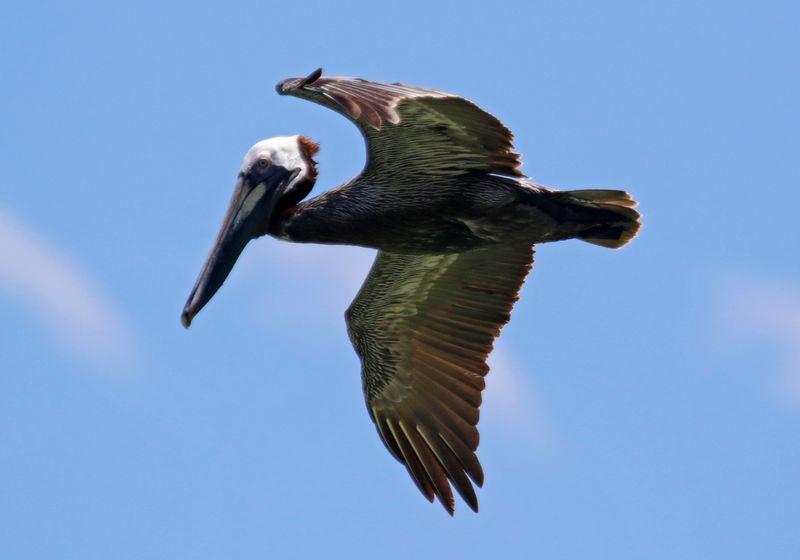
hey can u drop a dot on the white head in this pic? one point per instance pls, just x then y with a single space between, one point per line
276 174
288 152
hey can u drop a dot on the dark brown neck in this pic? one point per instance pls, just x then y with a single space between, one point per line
328 218
293 197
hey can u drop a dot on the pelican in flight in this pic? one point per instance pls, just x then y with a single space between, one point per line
454 220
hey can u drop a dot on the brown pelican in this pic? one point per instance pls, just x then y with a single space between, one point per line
454 220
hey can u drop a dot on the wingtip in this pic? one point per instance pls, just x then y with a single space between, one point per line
450 508
473 505
448 501
311 78
285 86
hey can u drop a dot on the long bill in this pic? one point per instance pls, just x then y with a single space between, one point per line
248 214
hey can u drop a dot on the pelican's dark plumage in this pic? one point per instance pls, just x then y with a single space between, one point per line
454 220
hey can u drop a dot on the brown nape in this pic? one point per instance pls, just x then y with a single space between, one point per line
291 198
308 148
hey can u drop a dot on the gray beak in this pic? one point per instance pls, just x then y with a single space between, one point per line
248 215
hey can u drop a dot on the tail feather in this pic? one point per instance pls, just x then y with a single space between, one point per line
613 220
605 196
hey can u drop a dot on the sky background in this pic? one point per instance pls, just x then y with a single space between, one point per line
643 403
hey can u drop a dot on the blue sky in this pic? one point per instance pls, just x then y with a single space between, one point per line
644 403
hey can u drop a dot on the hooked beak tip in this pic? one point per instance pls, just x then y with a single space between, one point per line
186 319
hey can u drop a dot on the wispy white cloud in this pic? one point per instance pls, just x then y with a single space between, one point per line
36 273
509 399
767 310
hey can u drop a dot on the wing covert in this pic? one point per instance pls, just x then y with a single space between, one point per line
413 131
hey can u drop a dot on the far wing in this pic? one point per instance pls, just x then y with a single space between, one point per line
423 326
413 131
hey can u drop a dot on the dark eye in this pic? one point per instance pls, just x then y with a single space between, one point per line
263 162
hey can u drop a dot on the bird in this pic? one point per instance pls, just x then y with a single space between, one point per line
454 221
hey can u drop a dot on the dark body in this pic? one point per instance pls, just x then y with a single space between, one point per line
474 211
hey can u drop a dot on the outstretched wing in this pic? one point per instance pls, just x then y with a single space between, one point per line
423 326
413 131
